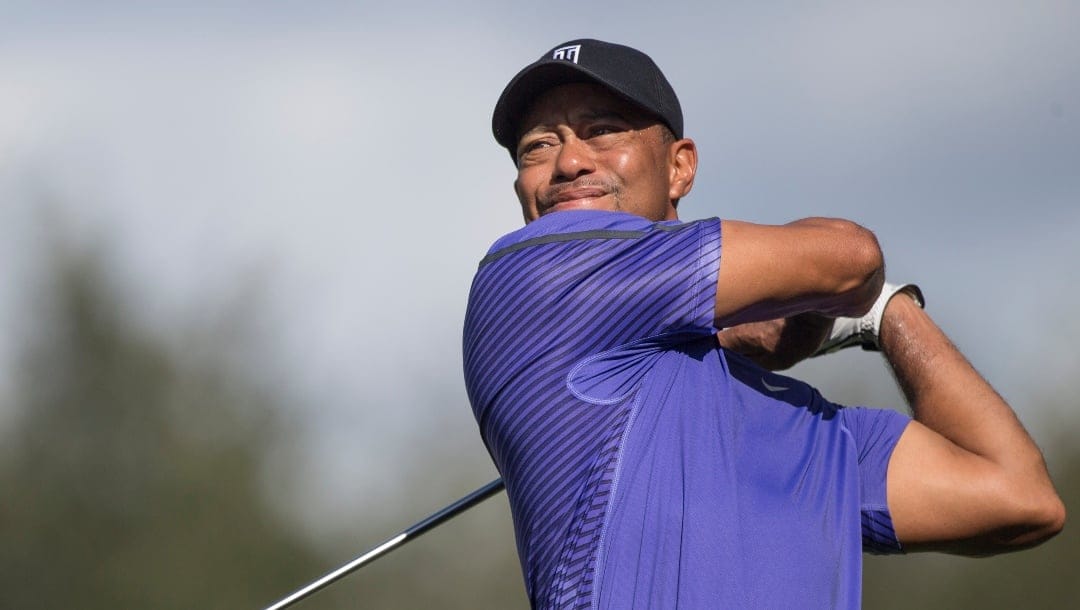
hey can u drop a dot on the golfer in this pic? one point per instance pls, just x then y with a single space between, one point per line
620 364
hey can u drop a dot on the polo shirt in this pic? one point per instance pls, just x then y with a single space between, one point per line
646 467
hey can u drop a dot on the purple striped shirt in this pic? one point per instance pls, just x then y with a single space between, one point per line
645 466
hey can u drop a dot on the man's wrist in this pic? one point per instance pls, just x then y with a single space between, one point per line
865 331
874 320
900 307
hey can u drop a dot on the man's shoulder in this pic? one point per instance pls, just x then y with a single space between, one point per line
571 222
582 224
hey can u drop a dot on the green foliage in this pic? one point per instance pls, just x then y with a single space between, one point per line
134 470
131 477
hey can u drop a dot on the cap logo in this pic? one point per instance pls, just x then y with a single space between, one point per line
569 53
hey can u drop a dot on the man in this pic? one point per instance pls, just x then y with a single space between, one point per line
649 460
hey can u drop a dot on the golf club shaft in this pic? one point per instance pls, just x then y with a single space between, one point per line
445 514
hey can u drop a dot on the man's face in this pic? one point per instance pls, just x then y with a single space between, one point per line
582 147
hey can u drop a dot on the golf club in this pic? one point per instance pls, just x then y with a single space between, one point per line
408 534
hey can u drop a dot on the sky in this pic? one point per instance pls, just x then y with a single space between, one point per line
333 163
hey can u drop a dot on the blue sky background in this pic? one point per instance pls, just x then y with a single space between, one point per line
333 162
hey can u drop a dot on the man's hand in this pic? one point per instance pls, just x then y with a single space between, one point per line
777 344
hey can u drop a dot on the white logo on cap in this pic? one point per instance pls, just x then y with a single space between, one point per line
569 53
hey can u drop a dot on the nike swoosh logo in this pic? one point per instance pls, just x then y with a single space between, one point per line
773 388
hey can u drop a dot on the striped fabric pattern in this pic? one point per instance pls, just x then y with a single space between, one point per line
645 466
565 288
878 535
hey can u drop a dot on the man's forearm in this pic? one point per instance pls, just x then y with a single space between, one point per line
946 393
1006 474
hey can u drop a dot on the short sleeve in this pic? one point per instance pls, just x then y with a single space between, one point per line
663 281
876 432
701 266
615 274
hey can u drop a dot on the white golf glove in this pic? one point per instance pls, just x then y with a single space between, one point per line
847 332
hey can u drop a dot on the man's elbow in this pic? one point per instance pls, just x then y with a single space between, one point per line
862 271
1047 519
1036 516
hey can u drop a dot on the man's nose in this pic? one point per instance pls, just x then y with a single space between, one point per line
574 159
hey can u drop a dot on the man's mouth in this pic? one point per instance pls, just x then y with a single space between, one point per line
573 198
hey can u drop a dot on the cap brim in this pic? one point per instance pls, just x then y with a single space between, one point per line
526 87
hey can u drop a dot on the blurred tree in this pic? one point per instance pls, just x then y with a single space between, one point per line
134 470
131 475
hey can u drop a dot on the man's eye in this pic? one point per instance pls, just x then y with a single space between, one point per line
529 147
602 130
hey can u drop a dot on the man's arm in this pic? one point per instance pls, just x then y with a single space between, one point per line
822 265
778 344
965 477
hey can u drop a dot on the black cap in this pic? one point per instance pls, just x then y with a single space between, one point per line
627 72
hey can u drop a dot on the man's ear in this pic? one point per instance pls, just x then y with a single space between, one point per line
682 163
